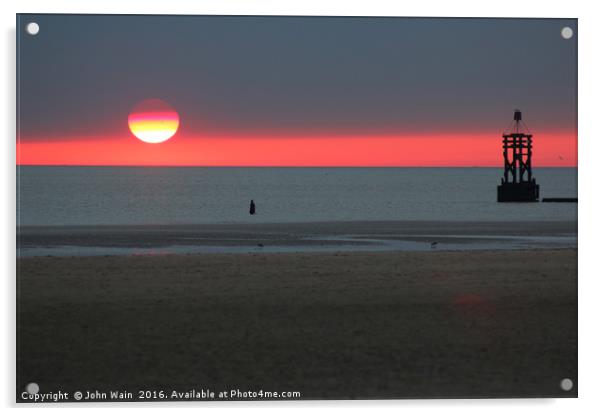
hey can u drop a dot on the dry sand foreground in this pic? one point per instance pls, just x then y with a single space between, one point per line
345 325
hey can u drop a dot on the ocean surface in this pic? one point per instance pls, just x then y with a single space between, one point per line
200 195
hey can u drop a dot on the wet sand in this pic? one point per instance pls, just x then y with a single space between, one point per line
329 325
290 237
288 233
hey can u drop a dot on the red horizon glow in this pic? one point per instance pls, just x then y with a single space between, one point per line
474 150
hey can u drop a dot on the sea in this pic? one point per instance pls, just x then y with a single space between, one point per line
69 195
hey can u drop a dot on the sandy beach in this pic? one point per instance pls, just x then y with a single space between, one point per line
329 325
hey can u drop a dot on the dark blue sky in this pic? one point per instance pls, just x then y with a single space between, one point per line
82 74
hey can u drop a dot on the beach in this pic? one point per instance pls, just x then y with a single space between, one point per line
342 324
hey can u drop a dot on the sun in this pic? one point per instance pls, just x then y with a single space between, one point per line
153 121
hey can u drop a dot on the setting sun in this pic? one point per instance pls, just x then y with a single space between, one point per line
153 121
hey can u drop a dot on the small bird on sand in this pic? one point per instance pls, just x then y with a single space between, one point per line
259 245
434 245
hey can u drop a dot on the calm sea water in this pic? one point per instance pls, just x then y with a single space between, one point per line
151 195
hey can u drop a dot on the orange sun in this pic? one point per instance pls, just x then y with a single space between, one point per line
153 121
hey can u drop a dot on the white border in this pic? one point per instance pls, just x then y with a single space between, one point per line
590 93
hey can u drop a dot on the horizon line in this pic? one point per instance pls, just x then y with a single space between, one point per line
288 166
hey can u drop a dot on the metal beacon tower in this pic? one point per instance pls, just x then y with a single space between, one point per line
518 183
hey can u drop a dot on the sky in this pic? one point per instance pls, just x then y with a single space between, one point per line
295 91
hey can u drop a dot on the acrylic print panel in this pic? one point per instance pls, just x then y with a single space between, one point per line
289 208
